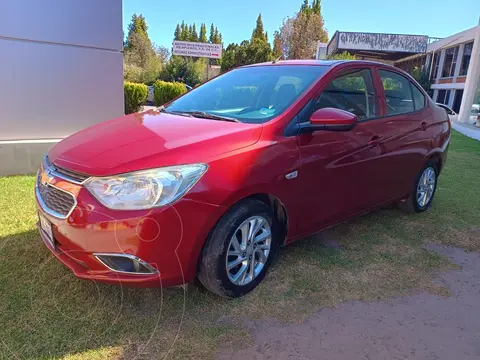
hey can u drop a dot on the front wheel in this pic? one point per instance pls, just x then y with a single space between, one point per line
423 191
239 250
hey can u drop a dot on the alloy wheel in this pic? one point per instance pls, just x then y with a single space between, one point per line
248 250
426 186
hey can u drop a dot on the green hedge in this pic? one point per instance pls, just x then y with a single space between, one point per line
163 91
135 95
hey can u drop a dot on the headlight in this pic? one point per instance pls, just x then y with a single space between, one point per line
146 188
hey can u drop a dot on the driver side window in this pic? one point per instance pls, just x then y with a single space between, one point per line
351 91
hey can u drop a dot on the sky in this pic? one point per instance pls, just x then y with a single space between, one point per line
235 19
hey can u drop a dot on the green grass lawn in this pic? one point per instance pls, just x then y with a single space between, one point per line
45 312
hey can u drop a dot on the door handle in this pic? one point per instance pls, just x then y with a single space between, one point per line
374 140
423 126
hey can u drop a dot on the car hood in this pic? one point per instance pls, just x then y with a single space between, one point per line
150 139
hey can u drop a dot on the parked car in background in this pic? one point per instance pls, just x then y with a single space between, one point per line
475 114
150 97
452 115
211 185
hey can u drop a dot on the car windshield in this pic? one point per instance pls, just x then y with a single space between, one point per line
251 94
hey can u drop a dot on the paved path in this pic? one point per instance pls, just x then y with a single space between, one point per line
421 326
471 131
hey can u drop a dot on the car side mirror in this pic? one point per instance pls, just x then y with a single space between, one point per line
330 119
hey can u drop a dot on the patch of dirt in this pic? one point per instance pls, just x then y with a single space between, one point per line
421 326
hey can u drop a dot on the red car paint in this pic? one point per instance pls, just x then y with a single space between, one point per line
340 175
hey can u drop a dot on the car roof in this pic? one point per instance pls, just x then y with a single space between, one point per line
329 63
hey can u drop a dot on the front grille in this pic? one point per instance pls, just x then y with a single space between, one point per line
68 174
78 177
55 200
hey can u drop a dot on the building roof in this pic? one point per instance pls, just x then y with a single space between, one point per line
452 40
377 45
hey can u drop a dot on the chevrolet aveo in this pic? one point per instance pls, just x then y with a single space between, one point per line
210 185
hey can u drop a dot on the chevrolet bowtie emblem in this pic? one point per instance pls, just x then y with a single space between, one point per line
47 177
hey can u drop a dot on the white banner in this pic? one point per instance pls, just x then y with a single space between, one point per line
197 49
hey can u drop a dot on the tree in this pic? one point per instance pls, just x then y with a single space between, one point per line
342 56
184 70
203 33
178 33
137 25
162 52
277 45
316 8
184 32
304 6
194 36
138 47
212 34
248 52
423 79
258 32
299 34
142 62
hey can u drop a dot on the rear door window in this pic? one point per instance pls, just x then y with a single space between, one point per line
398 93
418 98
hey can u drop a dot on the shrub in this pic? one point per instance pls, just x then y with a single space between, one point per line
164 92
135 95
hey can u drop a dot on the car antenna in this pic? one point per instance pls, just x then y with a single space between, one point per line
277 59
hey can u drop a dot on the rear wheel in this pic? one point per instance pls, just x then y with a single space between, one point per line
423 191
239 250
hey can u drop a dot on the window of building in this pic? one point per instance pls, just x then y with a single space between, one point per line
443 96
436 63
353 92
418 98
398 93
467 53
450 61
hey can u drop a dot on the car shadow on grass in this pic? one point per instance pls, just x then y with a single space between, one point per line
47 312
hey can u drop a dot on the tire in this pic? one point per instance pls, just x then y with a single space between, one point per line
415 203
220 248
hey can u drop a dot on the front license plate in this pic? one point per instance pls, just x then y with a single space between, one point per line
46 227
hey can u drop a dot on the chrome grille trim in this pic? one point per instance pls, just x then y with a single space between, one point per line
45 207
65 174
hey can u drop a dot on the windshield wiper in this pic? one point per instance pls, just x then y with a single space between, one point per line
199 114
182 113
205 115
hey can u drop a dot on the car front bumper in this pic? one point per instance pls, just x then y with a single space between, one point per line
169 239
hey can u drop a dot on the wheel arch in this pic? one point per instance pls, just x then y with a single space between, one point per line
436 158
279 211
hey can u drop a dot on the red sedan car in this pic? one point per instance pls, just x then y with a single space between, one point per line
213 183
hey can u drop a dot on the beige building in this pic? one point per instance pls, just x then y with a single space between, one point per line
453 65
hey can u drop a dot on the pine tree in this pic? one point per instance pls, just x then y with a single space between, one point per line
178 33
305 6
216 37
184 34
203 33
190 33
137 26
194 33
212 34
316 8
258 32
138 47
